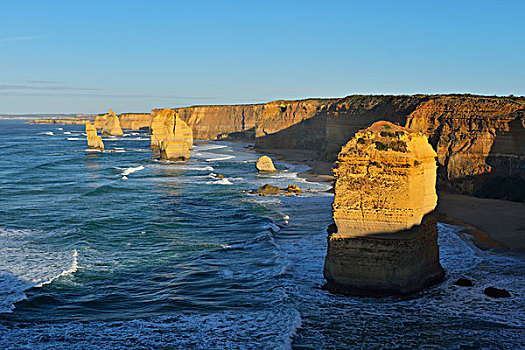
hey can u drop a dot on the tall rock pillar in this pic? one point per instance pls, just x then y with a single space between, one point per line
385 237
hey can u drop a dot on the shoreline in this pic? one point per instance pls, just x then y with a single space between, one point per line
492 223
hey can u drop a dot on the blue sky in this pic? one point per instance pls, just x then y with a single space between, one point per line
88 56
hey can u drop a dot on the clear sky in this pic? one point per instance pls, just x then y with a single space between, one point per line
87 56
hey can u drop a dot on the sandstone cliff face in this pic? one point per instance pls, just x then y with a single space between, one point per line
476 137
170 136
473 137
216 122
384 242
385 181
94 141
135 121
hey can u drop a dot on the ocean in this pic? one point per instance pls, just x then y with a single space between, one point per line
118 250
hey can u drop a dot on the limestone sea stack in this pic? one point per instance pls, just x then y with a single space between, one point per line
385 237
171 136
94 141
111 126
265 165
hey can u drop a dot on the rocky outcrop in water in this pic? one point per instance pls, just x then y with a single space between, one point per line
265 165
170 136
94 141
385 238
111 124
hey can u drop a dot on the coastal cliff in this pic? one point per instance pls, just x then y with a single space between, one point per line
385 238
135 121
480 140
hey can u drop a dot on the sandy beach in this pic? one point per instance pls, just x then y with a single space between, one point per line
492 223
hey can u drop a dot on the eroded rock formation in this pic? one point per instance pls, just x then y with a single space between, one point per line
265 165
111 126
170 136
385 237
94 141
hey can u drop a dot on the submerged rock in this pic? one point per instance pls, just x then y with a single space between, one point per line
385 241
111 125
265 165
496 292
292 190
94 141
267 190
463 282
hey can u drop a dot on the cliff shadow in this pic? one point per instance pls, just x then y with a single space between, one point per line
506 158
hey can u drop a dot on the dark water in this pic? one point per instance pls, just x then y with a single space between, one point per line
117 250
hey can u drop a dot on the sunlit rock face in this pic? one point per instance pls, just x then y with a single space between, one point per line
94 141
386 180
135 121
171 136
265 165
384 242
111 124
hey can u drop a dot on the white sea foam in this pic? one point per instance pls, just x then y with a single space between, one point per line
71 270
60 129
49 133
201 148
131 170
73 139
223 181
124 178
25 265
220 158
242 329
67 133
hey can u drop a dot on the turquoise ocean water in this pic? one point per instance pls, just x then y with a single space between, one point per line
117 250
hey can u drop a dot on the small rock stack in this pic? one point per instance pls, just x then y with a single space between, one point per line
109 123
94 141
265 165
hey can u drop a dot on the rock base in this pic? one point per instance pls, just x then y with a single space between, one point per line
399 263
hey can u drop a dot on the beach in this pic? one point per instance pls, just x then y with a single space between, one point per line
492 223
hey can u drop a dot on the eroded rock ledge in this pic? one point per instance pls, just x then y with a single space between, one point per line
384 241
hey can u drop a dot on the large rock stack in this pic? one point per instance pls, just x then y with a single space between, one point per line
94 141
384 241
171 136
111 125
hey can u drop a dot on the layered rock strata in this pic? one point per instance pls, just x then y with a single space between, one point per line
94 141
170 136
111 126
135 121
477 138
385 237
